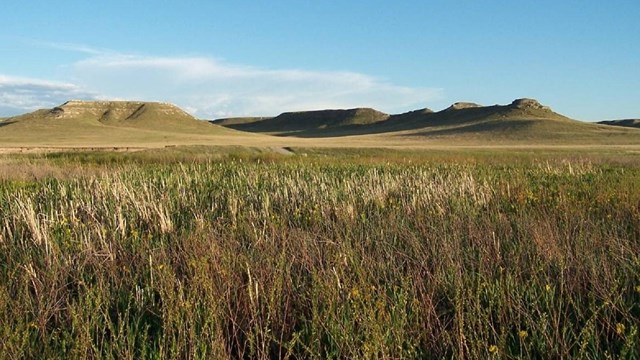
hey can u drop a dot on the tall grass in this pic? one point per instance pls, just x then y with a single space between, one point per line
316 259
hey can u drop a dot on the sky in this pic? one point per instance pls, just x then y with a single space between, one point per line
259 58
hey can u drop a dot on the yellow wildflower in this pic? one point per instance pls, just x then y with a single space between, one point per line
620 328
493 349
522 334
354 294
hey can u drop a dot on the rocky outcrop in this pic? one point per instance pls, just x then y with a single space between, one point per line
462 105
528 104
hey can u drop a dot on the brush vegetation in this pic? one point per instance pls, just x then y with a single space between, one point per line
259 255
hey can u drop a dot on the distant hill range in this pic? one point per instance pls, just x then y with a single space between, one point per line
634 123
130 123
522 120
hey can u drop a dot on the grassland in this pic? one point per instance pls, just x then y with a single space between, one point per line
193 253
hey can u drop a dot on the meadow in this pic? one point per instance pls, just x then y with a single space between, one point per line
326 254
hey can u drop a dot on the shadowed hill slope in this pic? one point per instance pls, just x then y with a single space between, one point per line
369 121
143 124
634 123
229 122
524 120
461 115
303 121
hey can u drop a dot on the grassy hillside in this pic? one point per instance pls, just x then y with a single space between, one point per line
129 114
524 121
141 124
114 123
305 121
238 120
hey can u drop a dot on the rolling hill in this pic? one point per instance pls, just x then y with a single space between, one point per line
306 121
524 120
113 123
634 123
235 121
128 114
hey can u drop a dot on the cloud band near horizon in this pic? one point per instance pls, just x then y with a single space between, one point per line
208 88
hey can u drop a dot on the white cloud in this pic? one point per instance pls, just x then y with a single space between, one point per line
211 88
77 48
207 87
19 94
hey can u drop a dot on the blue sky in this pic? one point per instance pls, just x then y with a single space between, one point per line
237 58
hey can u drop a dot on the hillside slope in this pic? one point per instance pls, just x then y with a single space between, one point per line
309 121
229 122
522 121
634 123
106 123
142 115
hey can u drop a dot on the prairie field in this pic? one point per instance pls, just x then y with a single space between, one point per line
320 253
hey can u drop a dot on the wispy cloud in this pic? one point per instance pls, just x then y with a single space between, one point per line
19 94
210 88
72 47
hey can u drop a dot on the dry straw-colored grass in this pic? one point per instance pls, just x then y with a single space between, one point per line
267 257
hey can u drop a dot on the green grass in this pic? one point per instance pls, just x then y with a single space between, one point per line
324 255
